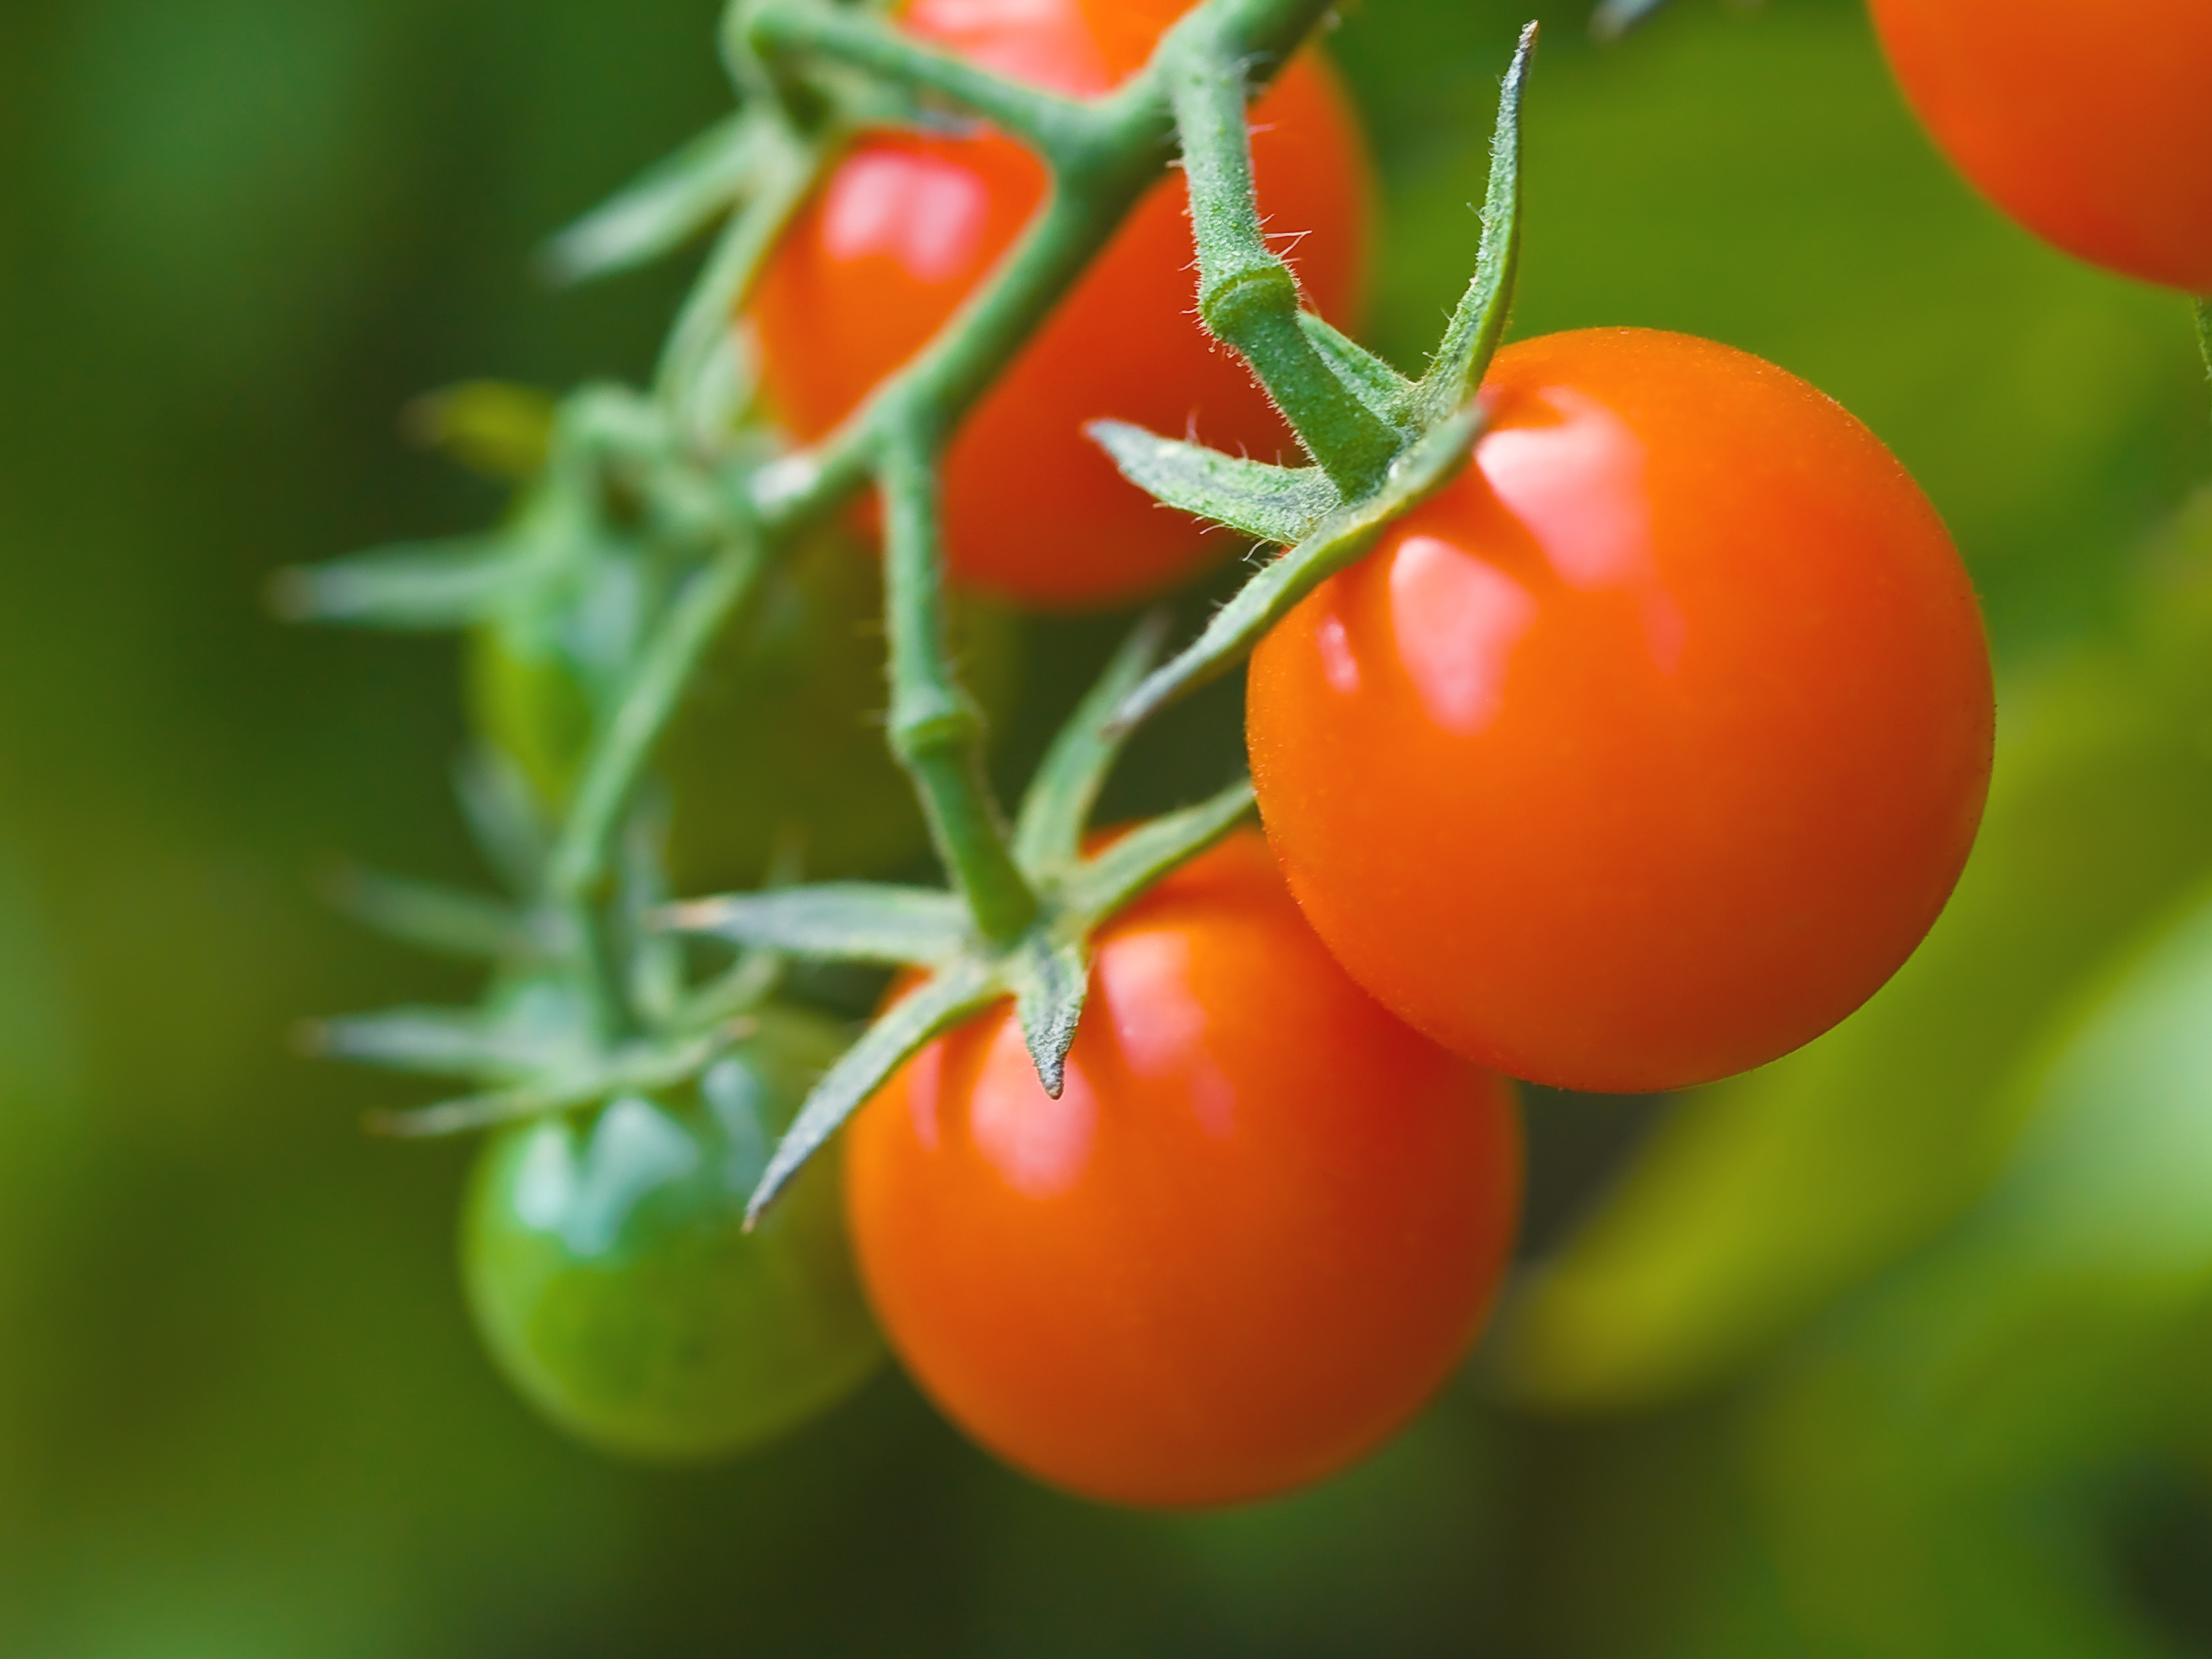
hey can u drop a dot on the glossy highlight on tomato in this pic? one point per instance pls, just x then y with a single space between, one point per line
2089 121
611 1276
907 226
1260 1226
1649 747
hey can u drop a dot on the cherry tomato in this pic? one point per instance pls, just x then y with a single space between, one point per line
908 225
2089 121
1648 748
611 1279
780 738
1260 1225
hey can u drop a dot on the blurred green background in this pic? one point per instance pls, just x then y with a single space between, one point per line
1901 1347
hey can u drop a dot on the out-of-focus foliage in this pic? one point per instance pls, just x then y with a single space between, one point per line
1939 1465
241 1412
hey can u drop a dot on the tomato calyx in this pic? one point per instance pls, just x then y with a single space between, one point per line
1045 970
541 1041
1326 545
1328 516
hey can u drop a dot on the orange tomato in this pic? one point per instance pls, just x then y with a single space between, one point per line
1648 748
907 226
1258 1228
2091 123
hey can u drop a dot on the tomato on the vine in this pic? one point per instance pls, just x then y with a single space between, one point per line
609 1272
1648 748
907 226
1260 1226
2090 123
780 739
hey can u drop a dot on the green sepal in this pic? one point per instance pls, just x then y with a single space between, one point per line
1387 394
1050 979
1102 885
745 984
850 921
1471 339
1279 504
1049 832
504 818
639 1067
443 1042
410 586
448 921
665 206
1339 540
939 1003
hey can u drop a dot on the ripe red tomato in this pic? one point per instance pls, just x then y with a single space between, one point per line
1646 750
2089 123
1258 1227
908 225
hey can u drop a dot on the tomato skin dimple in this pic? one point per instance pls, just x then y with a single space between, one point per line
1649 747
907 226
1260 1226
611 1280
2091 123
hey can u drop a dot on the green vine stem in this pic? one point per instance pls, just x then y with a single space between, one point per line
1058 129
616 758
936 731
1247 296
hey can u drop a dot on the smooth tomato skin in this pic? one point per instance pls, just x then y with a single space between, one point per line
611 1280
906 226
1262 1223
2091 123
1649 748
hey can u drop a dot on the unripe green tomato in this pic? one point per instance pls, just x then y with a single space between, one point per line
780 739
607 1266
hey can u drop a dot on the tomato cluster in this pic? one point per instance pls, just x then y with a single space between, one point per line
1639 753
